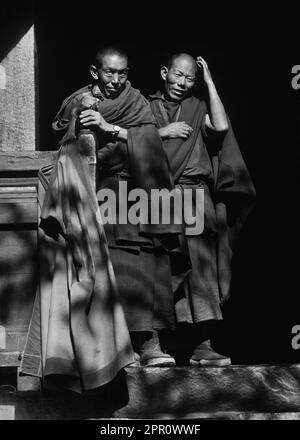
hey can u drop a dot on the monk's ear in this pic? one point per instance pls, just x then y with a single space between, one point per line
94 72
163 72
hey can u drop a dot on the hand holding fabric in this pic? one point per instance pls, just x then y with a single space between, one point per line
91 117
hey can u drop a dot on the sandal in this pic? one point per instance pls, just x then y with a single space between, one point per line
205 356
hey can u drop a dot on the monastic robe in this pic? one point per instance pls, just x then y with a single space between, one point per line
140 253
78 337
228 197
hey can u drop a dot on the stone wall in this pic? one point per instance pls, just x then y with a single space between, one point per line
17 96
18 188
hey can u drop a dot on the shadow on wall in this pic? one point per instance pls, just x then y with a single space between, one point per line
18 273
15 21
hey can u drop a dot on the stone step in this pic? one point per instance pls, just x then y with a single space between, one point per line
235 392
182 391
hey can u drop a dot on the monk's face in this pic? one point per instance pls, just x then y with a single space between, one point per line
179 78
112 75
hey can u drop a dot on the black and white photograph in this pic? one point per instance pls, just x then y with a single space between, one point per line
149 219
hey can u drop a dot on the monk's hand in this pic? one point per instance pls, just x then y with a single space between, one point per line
93 118
202 64
176 130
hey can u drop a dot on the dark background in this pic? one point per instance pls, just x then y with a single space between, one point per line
253 77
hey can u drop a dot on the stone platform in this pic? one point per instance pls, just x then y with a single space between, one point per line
235 392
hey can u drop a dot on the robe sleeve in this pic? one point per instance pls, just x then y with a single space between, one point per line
234 195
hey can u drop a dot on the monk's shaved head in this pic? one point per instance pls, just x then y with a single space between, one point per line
108 51
184 57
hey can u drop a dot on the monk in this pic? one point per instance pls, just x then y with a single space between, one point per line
203 154
130 155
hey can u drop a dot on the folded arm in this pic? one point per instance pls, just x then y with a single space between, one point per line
175 130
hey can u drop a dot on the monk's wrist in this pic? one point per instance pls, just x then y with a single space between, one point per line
163 132
107 128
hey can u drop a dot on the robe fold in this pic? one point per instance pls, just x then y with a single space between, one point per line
78 337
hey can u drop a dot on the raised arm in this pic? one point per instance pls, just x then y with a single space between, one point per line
216 118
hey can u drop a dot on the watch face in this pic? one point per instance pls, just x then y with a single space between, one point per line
116 130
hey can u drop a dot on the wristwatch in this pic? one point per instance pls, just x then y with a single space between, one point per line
116 131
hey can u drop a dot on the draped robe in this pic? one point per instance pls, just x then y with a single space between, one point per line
228 197
140 253
78 337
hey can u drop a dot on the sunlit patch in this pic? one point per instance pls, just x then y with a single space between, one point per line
2 78
2 338
7 412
